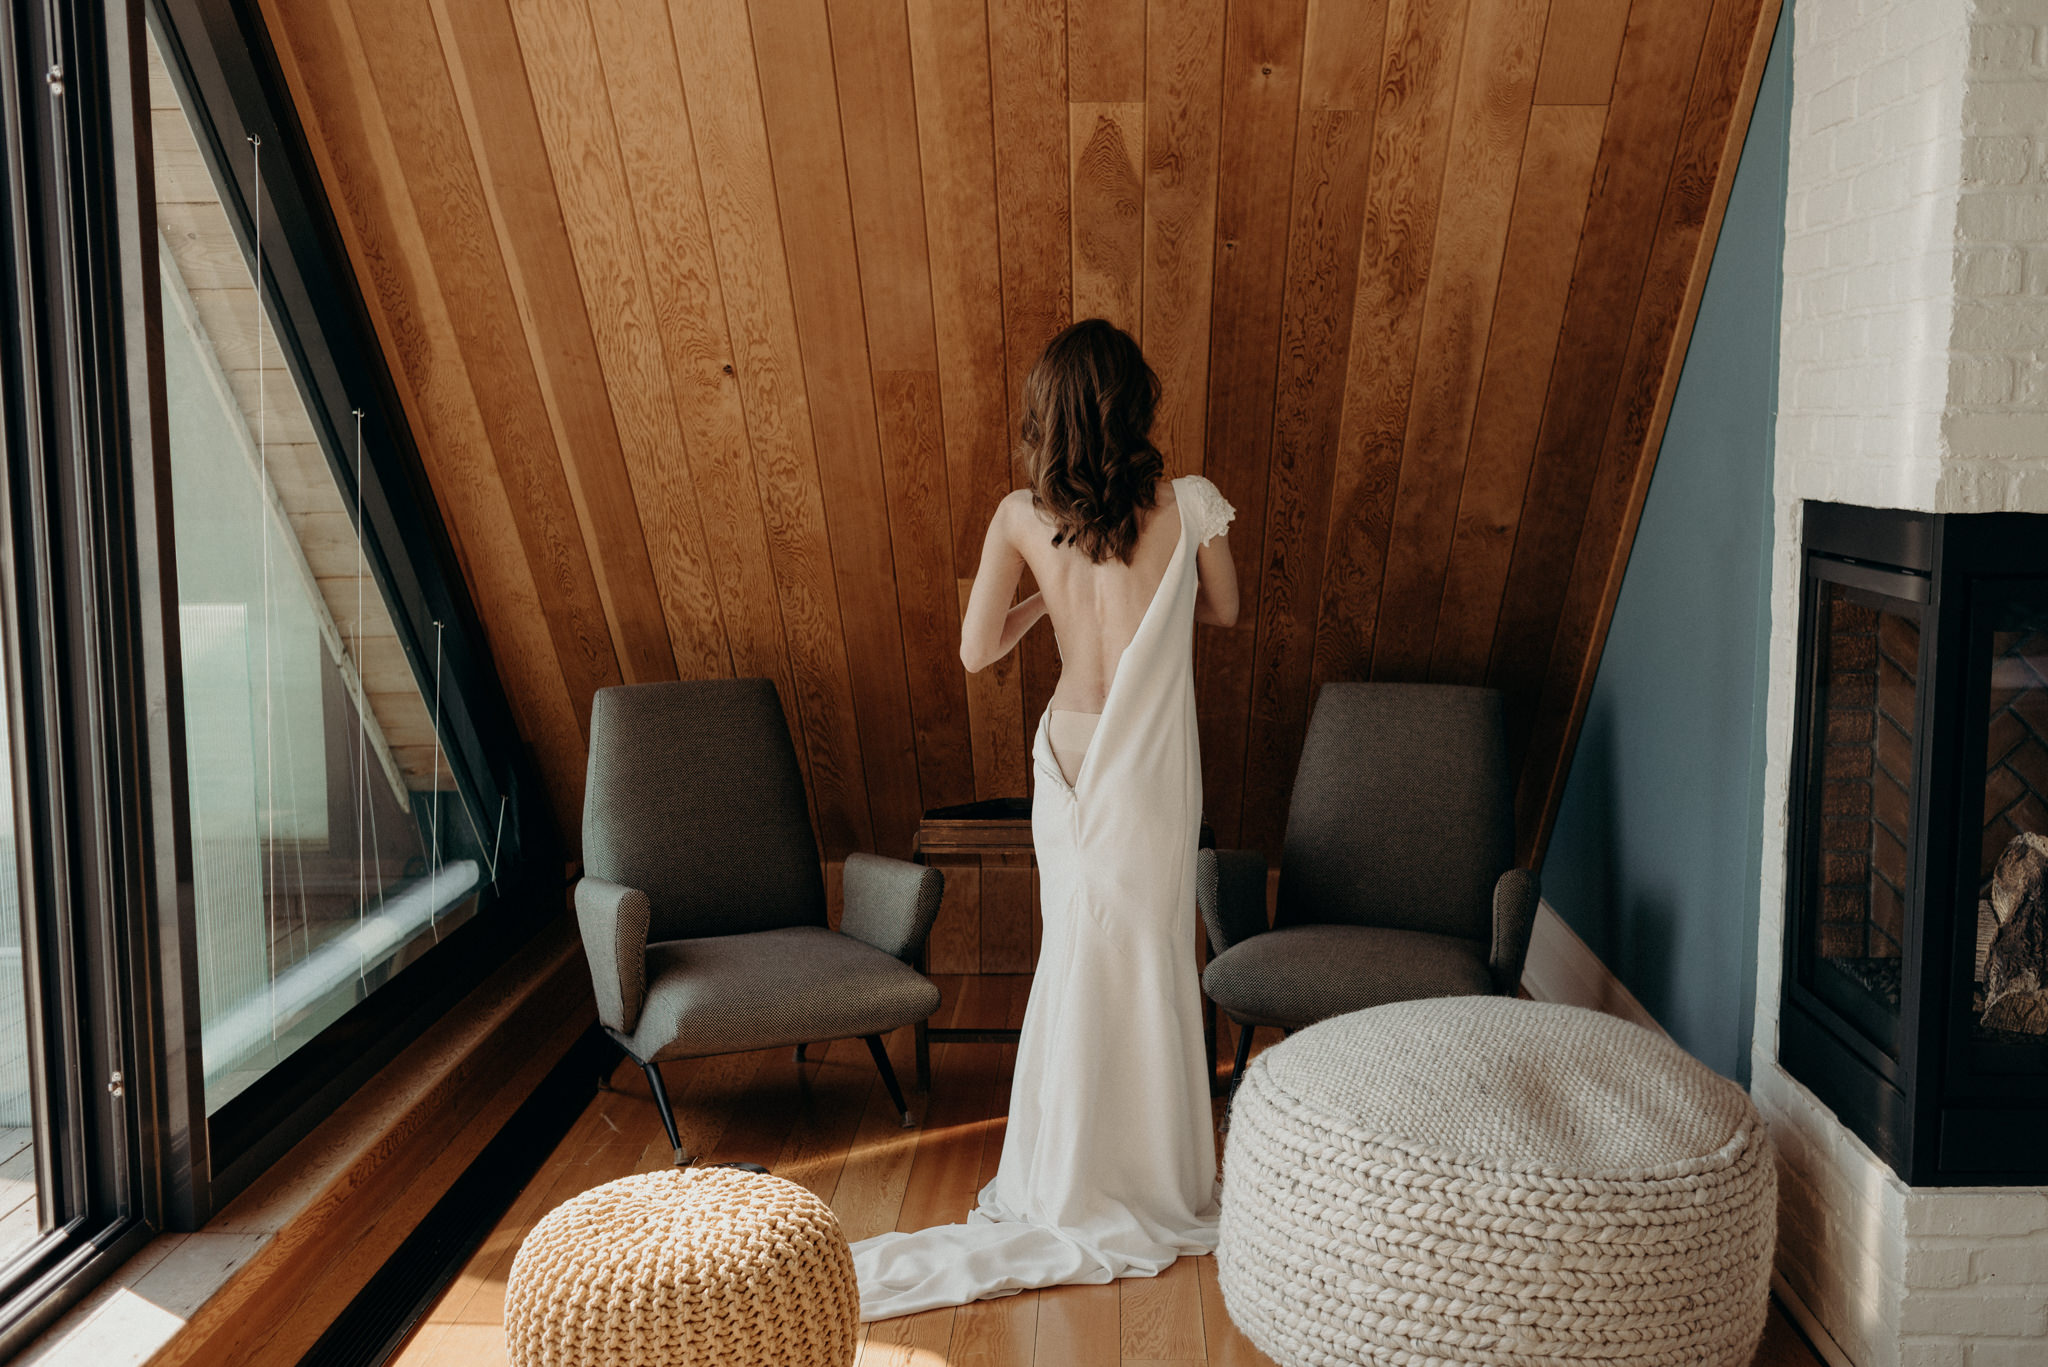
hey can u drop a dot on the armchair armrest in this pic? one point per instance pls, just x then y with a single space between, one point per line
613 920
1230 888
1514 914
890 903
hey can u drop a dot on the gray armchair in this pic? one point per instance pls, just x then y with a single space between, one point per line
703 906
1397 876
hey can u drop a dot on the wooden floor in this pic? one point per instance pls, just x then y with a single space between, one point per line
828 1124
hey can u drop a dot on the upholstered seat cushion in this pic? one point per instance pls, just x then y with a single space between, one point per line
762 989
1300 974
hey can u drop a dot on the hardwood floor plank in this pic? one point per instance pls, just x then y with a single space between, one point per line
714 50
1261 102
1183 126
834 1088
995 1333
1161 1317
1225 1343
1555 178
1077 1326
1496 76
1107 145
799 99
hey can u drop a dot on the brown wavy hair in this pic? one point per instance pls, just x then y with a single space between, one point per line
1086 438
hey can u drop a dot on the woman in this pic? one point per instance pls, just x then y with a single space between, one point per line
1108 1166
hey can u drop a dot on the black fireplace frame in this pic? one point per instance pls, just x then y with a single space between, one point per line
1943 1109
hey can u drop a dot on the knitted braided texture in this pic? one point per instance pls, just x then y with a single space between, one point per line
1480 1180
689 1267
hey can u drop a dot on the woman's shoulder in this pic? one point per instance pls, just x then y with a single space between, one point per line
1203 505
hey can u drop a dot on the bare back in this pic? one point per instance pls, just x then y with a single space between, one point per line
1096 609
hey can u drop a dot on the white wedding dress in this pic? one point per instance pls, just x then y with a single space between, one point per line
1108 1166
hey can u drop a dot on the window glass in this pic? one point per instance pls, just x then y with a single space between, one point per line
331 844
20 1210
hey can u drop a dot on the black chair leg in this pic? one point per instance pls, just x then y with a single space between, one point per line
888 1072
668 1115
1244 1057
800 1053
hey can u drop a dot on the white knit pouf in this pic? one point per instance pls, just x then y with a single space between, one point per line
1492 1181
689 1267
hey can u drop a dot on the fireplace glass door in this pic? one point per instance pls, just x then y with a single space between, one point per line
2009 982
1858 875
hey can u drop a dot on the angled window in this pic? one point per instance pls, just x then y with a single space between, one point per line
354 846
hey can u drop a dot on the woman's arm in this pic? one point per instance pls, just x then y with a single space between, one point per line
1216 582
991 628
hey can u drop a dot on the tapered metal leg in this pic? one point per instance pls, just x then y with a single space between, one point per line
668 1115
888 1072
1244 1057
800 1053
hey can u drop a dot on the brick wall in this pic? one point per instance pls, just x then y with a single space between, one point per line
1914 374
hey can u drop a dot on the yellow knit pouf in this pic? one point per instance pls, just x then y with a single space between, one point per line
688 1266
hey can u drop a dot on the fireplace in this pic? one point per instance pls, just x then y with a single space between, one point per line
1916 960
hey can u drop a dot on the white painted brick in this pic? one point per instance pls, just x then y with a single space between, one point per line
1989 1216
2015 1262
1933 1353
2005 104
1975 1313
2007 47
2008 1354
2002 215
2036 279
1990 270
2002 159
2018 323
1939 1267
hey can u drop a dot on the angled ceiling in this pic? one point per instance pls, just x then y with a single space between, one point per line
710 318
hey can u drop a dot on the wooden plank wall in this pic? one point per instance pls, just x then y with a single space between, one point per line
711 317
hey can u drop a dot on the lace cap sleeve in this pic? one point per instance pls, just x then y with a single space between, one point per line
1205 508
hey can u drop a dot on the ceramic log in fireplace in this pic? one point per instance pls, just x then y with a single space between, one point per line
1916 992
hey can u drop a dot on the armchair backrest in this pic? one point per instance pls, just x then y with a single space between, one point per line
694 797
1402 814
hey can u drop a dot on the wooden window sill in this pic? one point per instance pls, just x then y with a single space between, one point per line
267 1275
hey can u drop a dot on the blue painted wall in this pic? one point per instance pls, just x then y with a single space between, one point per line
1655 857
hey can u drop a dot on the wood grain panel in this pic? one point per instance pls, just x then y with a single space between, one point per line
653 122
526 212
1107 144
1417 90
1502 41
1261 102
712 316
1641 134
793 49
1543 237
1580 49
715 52
1183 119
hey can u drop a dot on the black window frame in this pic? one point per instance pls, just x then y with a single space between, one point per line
76 656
